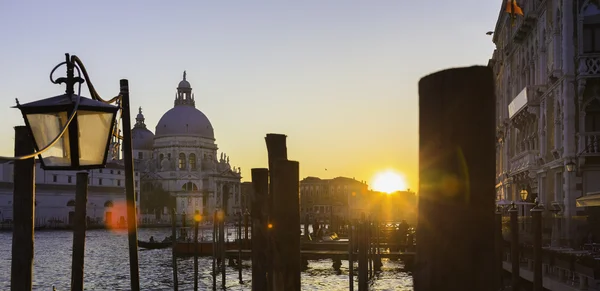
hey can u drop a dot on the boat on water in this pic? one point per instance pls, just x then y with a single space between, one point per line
151 245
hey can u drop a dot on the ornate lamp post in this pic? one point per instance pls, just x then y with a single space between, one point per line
71 132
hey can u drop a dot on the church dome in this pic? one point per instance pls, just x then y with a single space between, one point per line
141 137
184 118
184 84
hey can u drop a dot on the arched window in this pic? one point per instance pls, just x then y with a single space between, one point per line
161 157
108 204
192 158
181 161
189 187
71 203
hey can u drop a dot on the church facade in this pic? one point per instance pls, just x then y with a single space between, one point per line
179 163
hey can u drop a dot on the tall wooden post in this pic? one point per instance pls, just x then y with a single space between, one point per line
259 202
457 179
514 247
286 224
536 212
363 256
130 195
79 232
276 150
350 256
196 221
173 256
214 251
499 249
240 245
21 273
222 246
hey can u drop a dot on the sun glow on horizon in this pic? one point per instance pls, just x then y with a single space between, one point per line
389 181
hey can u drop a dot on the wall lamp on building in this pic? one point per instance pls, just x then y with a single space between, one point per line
523 194
71 132
571 166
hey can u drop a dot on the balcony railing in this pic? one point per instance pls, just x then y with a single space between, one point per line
589 65
589 143
525 160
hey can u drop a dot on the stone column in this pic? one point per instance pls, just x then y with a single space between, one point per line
569 115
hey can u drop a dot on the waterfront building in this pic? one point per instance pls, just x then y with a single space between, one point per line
179 163
55 195
327 199
547 70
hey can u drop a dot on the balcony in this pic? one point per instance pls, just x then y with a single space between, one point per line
525 106
524 26
589 65
523 163
589 143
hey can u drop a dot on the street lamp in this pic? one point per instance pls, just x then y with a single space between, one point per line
75 131
570 166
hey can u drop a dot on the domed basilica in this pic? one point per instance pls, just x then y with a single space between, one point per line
179 163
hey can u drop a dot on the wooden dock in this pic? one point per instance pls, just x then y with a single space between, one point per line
322 254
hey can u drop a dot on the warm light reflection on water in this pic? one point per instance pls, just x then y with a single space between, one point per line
107 266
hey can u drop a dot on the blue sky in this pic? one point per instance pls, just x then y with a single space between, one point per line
338 77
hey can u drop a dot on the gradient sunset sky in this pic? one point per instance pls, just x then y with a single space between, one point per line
339 77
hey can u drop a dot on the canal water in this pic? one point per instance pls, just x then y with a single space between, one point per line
107 266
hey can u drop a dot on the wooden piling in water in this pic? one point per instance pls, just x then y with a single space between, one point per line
240 244
276 150
221 217
351 242
363 256
455 232
286 225
514 247
21 272
499 250
536 212
259 215
79 227
196 221
214 251
173 256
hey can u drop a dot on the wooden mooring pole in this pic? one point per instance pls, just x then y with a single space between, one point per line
259 202
214 251
173 255
536 212
196 221
514 247
363 255
276 150
499 249
351 242
240 245
457 173
221 217
286 225
79 227
21 273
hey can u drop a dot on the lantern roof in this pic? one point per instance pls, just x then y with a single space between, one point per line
65 101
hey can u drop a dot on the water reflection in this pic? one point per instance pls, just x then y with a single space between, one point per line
107 266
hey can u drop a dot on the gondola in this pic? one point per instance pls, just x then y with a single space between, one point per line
154 245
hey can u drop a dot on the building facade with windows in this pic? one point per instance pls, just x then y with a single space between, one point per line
55 195
179 163
547 69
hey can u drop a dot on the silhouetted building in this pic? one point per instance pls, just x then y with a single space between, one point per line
324 199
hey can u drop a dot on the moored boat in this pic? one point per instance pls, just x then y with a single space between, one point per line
154 245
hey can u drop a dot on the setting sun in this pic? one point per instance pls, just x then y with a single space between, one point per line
389 181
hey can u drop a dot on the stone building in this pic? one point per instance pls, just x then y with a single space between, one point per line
179 163
546 68
324 199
